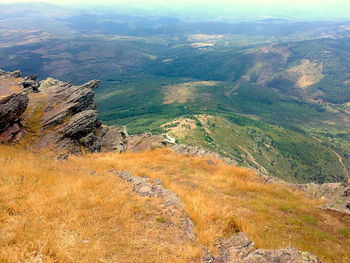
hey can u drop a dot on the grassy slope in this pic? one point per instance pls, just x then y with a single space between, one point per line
62 212
288 154
295 155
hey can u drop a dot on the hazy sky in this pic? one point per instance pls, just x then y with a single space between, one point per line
310 9
217 2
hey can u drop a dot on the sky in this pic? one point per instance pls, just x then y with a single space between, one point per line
214 2
307 9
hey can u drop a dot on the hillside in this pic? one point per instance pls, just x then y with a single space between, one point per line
78 191
145 138
275 82
79 210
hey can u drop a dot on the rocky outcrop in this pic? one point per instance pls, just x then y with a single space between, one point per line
240 249
81 124
65 116
66 100
11 109
71 113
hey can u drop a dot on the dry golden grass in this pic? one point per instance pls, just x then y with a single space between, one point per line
307 73
184 92
55 211
52 211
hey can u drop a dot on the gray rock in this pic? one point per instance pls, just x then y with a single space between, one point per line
240 249
30 83
11 109
115 139
92 143
14 74
81 124
66 99
287 255
70 117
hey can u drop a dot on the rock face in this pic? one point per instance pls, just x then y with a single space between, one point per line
71 115
66 100
11 109
239 249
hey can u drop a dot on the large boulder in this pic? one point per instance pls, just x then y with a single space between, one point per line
70 119
61 116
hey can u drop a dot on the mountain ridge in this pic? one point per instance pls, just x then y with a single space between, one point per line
71 116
